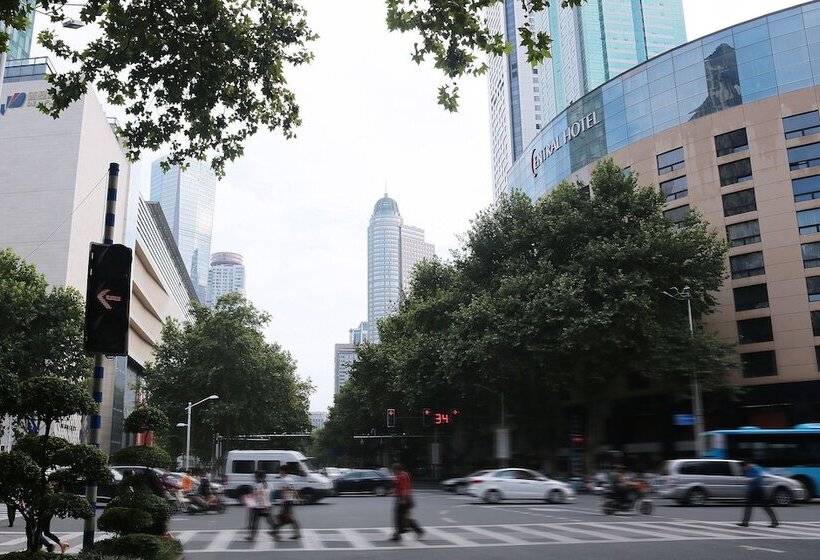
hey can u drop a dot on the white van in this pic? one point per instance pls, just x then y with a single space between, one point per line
240 466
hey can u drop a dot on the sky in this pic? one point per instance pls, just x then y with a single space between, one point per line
297 210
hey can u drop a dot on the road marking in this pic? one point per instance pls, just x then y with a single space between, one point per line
449 520
456 540
509 539
542 533
356 539
761 549
184 536
15 542
598 534
222 540
691 533
640 531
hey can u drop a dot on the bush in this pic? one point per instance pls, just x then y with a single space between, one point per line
148 503
144 547
124 521
140 455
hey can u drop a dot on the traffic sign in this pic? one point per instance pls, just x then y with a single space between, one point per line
107 299
684 420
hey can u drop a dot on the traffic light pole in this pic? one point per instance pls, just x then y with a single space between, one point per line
95 421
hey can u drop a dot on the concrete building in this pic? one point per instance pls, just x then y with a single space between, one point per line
590 44
187 197
393 250
226 275
729 125
53 176
343 356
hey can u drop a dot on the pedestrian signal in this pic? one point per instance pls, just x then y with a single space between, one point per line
107 299
391 417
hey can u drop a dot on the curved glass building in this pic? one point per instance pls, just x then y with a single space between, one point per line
727 124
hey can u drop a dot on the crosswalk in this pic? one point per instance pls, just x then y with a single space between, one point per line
460 536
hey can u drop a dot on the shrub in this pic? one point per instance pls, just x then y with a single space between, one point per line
143 456
124 521
148 503
144 547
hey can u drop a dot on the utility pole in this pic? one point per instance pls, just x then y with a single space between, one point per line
95 421
697 399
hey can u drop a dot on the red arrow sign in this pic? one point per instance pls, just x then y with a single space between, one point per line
103 297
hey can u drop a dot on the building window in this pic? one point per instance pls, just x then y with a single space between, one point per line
815 323
803 157
811 254
806 188
675 188
748 264
813 288
751 297
743 233
670 161
735 172
739 202
808 221
750 331
759 364
801 125
731 142
677 215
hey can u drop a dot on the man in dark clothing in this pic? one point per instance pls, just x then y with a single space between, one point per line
755 495
404 503
11 510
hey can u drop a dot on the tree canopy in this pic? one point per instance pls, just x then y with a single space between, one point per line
548 302
200 78
223 351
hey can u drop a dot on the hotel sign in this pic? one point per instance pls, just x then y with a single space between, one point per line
538 157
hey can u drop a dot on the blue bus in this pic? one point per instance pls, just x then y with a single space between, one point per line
792 452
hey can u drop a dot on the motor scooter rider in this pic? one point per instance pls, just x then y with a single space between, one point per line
619 486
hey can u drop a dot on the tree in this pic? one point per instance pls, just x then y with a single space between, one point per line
202 78
223 351
43 376
552 303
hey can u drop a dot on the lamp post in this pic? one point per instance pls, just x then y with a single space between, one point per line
502 437
188 430
697 402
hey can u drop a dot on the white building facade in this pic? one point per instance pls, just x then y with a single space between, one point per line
343 357
226 275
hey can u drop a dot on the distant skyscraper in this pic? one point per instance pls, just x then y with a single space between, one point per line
343 357
393 249
187 198
590 44
225 276
359 334
20 41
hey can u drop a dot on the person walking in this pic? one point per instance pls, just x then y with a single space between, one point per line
404 503
258 503
755 495
11 510
287 489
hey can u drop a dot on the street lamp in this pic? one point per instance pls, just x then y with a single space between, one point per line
697 402
188 430
501 433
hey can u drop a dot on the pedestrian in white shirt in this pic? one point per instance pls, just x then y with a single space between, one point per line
289 495
258 503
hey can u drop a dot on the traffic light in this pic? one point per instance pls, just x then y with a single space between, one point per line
107 299
426 417
391 417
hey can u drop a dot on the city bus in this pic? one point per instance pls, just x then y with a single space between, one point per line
792 452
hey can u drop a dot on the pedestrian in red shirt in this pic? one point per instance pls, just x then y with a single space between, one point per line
404 503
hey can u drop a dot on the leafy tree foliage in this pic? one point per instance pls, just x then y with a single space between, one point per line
551 302
143 455
223 351
146 418
42 372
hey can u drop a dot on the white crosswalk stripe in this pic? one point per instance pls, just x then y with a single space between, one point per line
451 536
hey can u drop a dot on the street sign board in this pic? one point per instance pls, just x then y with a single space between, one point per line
107 299
684 420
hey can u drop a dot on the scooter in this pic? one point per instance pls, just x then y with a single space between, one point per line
200 504
635 499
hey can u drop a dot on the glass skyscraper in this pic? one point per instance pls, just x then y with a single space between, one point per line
20 41
590 45
187 199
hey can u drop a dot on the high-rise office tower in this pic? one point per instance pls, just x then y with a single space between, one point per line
187 198
393 250
20 41
590 44
226 276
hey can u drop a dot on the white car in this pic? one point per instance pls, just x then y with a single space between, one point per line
518 484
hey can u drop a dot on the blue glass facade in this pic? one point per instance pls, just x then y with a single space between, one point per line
760 58
20 41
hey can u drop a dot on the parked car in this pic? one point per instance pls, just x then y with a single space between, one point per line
240 466
334 472
363 481
459 484
696 481
105 491
519 484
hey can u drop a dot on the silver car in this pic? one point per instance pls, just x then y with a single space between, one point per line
694 481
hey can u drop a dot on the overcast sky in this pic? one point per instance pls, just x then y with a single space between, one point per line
298 210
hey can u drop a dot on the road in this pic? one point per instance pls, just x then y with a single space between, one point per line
459 528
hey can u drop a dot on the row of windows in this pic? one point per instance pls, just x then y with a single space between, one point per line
756 296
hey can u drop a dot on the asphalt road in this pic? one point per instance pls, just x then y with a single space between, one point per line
459 528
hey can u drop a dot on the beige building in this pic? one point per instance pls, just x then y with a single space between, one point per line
729 125
53 178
